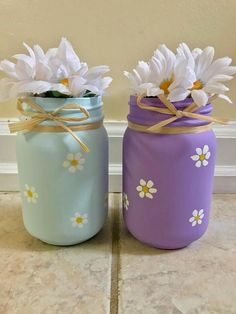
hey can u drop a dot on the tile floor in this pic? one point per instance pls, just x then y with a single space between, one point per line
114 273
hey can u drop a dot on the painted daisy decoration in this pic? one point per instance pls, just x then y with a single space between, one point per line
30 194
185 74
146 189
202 156
197 217
79 220
74 162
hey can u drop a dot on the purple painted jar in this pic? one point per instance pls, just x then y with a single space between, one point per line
167 178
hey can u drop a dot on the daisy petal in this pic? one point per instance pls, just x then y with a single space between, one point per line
199 97
222 96
149 184
142 182
152 190
195 157
199 151
198 164
66 164
70 156
205 163
141 194
205 149
72 169
139 188
149 195
201 211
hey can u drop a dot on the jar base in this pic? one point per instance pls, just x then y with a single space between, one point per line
65 243
162 247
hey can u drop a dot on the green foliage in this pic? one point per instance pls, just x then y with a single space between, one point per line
56 94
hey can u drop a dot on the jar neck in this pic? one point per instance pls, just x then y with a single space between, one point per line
92 104
147 117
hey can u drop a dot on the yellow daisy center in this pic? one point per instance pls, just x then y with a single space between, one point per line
165 85
197 218
30 193
145 189
197 85
74 162
79 220
65 81
202 157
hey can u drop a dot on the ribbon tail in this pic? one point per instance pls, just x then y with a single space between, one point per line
205 118
83 146
159 125
26 125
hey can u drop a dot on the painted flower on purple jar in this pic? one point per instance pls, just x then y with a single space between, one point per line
197 217
201 157
146 189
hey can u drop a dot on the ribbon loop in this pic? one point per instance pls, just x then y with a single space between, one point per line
38 115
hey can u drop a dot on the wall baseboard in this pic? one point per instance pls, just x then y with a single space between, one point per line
225 173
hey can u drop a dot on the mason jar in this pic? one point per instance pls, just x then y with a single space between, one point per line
167 178
64 189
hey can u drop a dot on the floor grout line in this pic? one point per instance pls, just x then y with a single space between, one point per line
115 263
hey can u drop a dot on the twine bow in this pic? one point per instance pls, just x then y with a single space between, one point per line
38 115
170 109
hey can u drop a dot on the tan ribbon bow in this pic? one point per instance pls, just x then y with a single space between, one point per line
39 115
170 109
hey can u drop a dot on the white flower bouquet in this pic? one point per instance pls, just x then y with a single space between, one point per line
185 74
55 73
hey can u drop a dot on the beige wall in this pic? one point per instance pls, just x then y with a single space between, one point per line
118 33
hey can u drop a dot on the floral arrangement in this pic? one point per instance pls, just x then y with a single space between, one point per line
56 73
185 74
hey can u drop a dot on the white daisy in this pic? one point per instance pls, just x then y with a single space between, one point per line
197 217
146 189
74 162
59 69
207 75
125 201
203 154
163 74
30 74
30 194
79 220
139 79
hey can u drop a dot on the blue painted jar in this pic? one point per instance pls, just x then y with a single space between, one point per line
64 189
